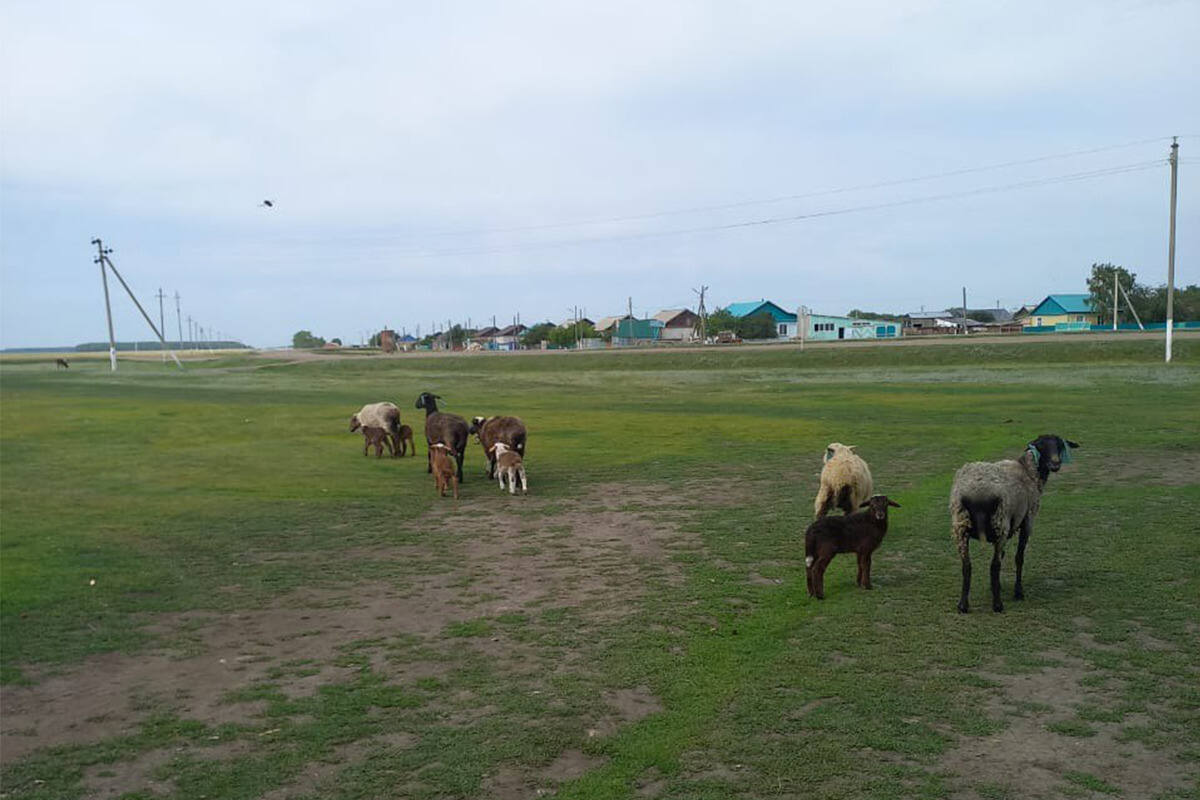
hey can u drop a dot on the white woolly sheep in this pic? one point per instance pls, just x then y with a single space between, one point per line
845 481
992 500
385 416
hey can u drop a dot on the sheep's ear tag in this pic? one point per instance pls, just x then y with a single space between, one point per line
1066 453
1037 457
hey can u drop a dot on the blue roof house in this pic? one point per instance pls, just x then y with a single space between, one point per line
1064 312
785 321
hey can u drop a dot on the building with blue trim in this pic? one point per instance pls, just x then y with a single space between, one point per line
786 326
1064 312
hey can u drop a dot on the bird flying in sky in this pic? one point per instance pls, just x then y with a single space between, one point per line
267 204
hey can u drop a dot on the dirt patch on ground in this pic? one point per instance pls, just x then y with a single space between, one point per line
594 555
1145 467
1031 758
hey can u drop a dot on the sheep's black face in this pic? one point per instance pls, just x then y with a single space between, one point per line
476 424
1053 450
879 506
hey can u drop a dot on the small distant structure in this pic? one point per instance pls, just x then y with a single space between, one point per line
509 338
832 327
331 346
632 331
387 341
1063 312
786 323
679 324
607 324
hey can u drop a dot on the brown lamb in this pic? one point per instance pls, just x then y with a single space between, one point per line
859 533
444 473
377 437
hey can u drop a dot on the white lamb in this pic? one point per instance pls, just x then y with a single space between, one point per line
509 463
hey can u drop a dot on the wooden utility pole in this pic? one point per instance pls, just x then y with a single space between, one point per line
703 313
1171 245
162 326
964 310
1114 298
112 341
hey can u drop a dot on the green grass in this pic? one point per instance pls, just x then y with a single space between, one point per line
235 486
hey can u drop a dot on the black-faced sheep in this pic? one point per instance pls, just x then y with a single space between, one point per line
509 465
845 481
442 465
993 500
490 430
61 363
385 416
859 533
447 429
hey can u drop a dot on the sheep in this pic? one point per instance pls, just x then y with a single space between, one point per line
509 463
489 430
859 533
377 437
380 415
845 480
406 441
992 500
442 466
61 363
449 429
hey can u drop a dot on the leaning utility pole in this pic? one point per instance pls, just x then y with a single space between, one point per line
703 313
1171 245
145 316
112 342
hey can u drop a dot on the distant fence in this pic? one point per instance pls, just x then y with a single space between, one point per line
1084 327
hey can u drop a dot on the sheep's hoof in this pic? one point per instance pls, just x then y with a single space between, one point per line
1018 594
998 608
963 608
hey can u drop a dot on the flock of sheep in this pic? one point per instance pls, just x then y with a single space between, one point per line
989 501
502 439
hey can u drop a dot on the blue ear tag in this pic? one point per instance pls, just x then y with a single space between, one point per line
1037 457
1066 453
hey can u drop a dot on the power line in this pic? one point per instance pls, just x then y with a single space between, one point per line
779 198
1036 182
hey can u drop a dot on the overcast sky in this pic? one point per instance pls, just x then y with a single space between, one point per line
433 161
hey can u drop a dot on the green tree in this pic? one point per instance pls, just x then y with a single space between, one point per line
1100 291
722 320
304 340
565 337
759 326
858 313
534 336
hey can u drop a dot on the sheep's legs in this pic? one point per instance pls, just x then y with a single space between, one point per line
964 552
864 568
824 500
1023 538
524 482
459 459
997 603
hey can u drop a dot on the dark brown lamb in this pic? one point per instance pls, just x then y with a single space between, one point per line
859 533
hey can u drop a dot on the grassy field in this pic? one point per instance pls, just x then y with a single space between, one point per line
207 592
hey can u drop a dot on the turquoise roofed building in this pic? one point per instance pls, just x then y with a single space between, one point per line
1063 312
785 321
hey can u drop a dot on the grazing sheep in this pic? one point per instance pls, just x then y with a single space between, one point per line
448 429
859 533
992 500
490 430
845 480
406 441
61 363
509 464
377 437
380 415
442 465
